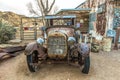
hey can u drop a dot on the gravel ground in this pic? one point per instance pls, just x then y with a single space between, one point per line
104 66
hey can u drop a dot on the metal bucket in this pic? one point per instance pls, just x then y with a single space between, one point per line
95 47
107 44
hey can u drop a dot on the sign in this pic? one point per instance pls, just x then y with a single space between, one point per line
111 33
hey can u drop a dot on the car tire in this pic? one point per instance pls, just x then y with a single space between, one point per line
32 58
85 70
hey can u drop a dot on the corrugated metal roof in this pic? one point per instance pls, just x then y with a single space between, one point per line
55 17
79 9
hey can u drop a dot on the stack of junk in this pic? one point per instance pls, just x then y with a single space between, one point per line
98 42
9 52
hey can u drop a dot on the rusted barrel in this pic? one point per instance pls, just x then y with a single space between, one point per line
107 44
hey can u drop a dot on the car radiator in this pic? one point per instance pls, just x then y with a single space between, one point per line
57 47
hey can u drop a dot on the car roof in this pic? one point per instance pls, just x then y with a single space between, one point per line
60 17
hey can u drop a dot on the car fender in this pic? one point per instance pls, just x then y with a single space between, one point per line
30 48
84 49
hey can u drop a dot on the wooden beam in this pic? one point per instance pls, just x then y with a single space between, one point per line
117 38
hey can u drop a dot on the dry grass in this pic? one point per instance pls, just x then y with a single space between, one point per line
104 66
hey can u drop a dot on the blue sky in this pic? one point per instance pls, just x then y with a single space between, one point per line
19 6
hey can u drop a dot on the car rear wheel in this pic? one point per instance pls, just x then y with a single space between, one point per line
32 62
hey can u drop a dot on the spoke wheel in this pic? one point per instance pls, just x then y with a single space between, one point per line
32 61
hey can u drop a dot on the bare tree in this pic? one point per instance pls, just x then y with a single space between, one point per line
55 9
43 8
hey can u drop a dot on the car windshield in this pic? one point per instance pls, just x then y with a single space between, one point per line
60 21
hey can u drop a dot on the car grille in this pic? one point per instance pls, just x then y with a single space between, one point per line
57 45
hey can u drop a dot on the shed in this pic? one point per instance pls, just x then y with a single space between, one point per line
82 17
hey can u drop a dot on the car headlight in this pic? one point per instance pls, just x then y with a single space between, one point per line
40 41
71 40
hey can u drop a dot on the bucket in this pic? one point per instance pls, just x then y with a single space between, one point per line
107 44
95 47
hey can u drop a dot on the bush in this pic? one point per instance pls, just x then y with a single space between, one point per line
6 32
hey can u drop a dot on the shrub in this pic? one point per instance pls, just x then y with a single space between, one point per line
6 32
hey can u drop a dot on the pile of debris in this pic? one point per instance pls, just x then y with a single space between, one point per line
10 51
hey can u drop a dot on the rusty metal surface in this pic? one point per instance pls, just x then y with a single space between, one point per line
107 44
14 49
67 31
82 48
57 45
2 54
101 23
105 14
35 47
10 52
29 48
58 32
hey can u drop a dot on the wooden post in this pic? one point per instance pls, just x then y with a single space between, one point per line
35 29
21 31
117 38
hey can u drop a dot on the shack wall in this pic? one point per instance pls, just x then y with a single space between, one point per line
105 9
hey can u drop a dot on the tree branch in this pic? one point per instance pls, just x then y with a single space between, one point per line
43 6
51 6
47 5
31 10
41 10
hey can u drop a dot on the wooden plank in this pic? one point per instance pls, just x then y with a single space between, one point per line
117 38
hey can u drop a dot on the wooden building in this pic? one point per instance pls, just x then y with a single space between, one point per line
82 17
104 15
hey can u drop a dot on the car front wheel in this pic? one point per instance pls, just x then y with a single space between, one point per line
32 62
86 65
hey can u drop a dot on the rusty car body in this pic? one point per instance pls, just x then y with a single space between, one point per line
61 45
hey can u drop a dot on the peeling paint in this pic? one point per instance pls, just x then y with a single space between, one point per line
111 17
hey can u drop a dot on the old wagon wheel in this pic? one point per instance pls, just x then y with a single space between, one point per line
32 61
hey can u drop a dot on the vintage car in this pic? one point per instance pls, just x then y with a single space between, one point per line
59 44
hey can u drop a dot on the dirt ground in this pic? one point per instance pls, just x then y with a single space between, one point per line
104 66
